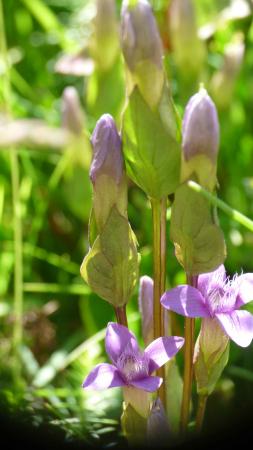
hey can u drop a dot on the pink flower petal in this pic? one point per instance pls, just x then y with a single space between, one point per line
209 281
103 376
185 300
116 339
162 350
238 325
245 294
150 384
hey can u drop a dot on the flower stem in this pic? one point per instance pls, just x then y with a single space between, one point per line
236 215
159 274
188 364
121 316
201 412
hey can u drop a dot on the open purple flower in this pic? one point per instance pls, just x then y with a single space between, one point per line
217 297
130 366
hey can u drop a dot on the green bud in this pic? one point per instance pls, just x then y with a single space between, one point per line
211 355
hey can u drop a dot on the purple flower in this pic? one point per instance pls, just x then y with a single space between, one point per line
130 366
107 156
200 127
217 297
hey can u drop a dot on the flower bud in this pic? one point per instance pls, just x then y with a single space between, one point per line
107 171
145 299
210 355
107 154
200 127
104 43
157 426
146 308
142 49
72 115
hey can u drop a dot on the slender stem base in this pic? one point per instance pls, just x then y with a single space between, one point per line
201 412
188 364
121 316
159 274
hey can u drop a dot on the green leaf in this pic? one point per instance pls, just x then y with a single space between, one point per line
134 426
111 266
151 151
174 391
199 243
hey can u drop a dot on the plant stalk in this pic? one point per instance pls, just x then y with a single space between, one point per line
159 275
201 412
121 315
188 364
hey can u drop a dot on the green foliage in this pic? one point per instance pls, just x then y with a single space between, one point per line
111 266
150 145
199 243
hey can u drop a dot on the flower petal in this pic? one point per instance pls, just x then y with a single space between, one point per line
150 384
238 325
162 350
245 294
103 376
209 281
185 300
116 339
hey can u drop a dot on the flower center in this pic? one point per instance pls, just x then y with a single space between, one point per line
133 365
222 297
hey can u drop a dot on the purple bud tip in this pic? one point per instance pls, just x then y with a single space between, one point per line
107 153
200 127
72 115
140 38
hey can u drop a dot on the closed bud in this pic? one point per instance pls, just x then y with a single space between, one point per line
146 308
72 114
107 171
157 426
107 154
200 127
146 292
142 49
200 139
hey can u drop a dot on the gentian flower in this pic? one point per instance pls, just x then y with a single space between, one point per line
130 366
217 297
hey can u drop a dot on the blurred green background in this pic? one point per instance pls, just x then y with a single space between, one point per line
45 196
